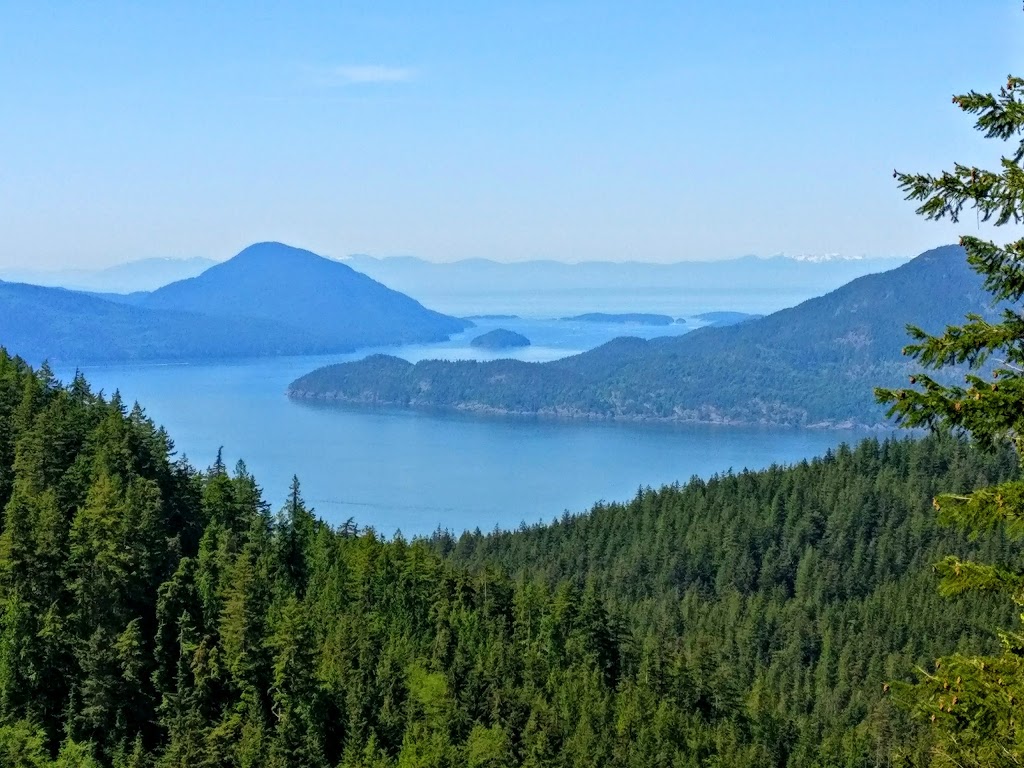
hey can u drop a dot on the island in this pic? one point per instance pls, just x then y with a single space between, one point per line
637 318
813 365
721 319
500 338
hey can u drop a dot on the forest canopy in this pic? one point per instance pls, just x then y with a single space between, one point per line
152 614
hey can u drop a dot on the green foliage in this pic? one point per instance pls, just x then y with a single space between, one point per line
974 703
771 610
153 615
23 745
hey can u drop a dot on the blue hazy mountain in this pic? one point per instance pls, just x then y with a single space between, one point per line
42 323
268 300
815 363
130 277
304 291
557 289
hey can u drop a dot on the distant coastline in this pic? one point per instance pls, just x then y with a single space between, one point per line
573 414
639 318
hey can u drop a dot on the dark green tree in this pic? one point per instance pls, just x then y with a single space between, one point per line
976 703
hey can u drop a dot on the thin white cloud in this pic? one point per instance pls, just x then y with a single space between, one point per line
365 74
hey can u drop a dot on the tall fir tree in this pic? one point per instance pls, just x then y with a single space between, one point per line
975 704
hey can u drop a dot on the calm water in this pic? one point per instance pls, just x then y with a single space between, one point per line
417 471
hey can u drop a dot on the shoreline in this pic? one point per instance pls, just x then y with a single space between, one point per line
576 415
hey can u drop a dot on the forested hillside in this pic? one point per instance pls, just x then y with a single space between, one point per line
68 326
814 364
804 591
155 615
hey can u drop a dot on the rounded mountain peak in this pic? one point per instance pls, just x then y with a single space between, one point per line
272 252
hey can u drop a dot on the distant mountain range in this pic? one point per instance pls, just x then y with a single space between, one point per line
813 364
324 298
132 276
270 299
557 289
535 288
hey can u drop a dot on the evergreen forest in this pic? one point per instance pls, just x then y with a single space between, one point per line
155 614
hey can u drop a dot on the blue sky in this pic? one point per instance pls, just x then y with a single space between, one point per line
568 130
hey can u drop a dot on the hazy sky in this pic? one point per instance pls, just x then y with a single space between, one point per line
569 130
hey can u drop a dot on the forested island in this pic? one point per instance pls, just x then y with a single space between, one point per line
812 365
500 338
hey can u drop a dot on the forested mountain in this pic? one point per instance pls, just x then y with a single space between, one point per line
67 326
268 300
155 615
298 289
813 364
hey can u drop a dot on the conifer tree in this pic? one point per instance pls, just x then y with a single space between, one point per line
976 703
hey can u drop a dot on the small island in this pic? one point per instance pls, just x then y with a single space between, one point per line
637 318
500 338
721 319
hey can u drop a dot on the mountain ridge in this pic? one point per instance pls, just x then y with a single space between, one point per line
356 310
810 365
